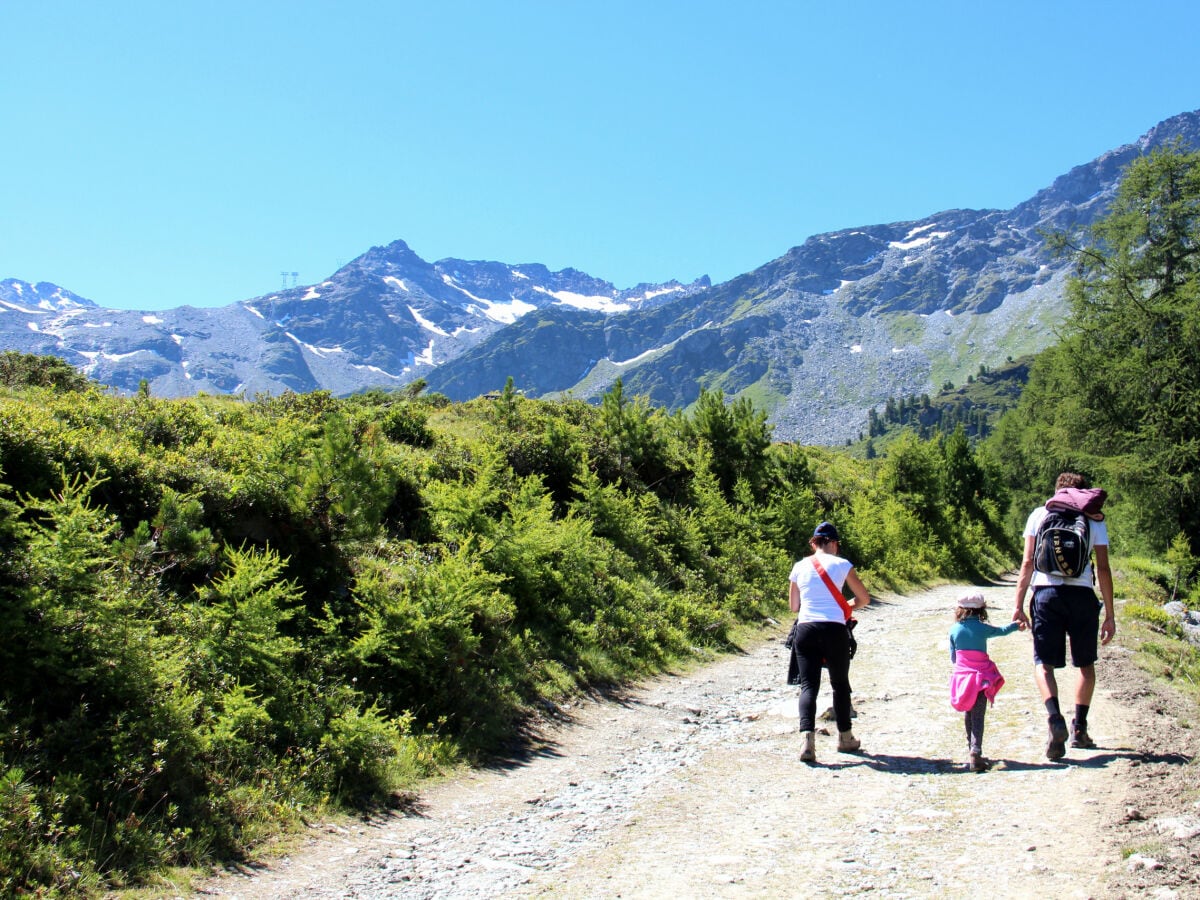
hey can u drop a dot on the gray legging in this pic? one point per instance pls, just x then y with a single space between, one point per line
820 644
973 719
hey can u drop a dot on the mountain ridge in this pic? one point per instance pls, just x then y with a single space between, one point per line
851 317
816 337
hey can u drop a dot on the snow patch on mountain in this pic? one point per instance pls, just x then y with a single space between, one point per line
650 295
425 357
911 241
43 307
505 313
322 352
581 301
377 371
426 324
633 360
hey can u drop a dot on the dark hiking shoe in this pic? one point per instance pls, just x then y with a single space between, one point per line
1056 747
1080 738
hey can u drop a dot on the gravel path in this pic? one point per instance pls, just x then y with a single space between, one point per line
689 786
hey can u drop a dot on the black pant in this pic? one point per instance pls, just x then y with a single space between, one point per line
823 644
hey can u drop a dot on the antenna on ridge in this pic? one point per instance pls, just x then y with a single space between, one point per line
284 276
294 275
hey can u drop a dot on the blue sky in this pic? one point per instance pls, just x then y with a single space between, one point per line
162 154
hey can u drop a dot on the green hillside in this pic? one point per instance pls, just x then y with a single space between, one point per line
224 615
976 407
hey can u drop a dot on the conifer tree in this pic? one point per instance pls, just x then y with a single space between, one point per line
1120 396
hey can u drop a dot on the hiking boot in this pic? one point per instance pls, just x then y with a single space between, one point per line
977 762
1056 746
847 742
808 753
1080 738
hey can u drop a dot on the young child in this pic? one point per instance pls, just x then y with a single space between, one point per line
975 680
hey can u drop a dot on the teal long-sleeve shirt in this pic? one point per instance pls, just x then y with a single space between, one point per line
971 634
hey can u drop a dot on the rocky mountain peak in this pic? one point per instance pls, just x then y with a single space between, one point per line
42 296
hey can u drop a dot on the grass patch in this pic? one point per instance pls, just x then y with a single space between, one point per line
763 395
1153 849
906 328
1160 647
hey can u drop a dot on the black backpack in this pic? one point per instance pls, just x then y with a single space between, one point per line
1061 544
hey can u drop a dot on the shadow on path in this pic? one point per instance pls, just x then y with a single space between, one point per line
886 762
936 765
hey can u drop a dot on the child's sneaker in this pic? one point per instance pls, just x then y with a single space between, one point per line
1056 747
977 762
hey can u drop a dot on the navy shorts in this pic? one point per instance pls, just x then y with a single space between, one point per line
1060 612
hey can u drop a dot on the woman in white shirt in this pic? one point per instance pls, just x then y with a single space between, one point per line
821 637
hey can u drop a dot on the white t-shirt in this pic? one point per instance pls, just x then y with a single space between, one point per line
1097 537
816 603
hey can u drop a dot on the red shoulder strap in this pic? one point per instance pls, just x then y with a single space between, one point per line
833 589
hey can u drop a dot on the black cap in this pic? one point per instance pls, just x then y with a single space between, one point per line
828 531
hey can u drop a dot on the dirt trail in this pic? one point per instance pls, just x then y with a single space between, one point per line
689 786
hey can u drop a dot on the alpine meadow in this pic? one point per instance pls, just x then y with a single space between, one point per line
226 616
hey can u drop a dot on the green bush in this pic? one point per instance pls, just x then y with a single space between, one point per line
406 424
1141 579
26 370
1156 617
224 614
360 747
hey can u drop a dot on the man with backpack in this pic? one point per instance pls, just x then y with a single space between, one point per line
1060 539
